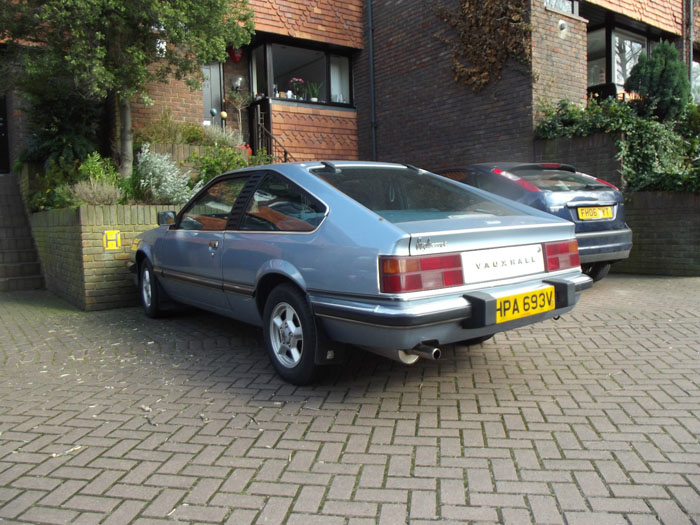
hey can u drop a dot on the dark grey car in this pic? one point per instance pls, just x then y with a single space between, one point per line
596 207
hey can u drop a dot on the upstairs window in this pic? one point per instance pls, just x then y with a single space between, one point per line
566 6
300 74
627 48
623 49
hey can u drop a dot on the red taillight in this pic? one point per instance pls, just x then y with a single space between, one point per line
413 274
561 255
550 166
608 184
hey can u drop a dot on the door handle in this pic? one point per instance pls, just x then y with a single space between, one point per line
214 244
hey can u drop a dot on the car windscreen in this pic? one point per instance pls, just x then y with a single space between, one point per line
559 180
401 194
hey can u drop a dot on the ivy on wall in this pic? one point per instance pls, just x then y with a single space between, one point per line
489 32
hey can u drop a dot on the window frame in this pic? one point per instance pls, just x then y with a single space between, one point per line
328 51
633 36
573 6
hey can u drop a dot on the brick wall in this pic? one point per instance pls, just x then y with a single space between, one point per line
666 234
423 116
594 155
76 265
184 104
330 21
559 54
311 133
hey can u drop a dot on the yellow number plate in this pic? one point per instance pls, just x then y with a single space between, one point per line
598 212
524 304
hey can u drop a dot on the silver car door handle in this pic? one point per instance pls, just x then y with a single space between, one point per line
214 244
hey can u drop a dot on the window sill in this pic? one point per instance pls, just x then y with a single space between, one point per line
568 14
308 103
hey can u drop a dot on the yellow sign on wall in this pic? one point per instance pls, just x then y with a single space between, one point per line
112 240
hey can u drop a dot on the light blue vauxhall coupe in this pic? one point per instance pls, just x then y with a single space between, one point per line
328 256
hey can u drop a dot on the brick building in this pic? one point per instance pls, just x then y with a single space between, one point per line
315 41
385 86
407 107
423 117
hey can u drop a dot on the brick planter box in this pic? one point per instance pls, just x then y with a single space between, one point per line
666 234
84 252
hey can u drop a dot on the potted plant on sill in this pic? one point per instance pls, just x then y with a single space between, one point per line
312 90
296 86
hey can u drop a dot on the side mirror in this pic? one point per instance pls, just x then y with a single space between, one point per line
166 217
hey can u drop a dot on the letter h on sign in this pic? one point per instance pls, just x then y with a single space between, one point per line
112 240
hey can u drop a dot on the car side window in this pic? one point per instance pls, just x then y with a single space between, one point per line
280 205
210 210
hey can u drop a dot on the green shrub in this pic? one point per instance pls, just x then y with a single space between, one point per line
653 158
158 180
260 158
94 191
161 131
216 136
50 188
567 119
216 160
166 131
662 82
192 133
654 155
62 123
96 168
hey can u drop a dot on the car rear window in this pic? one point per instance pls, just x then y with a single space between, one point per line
559 180
401 194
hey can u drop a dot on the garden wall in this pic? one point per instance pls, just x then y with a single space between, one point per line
84 252
594 154
666 234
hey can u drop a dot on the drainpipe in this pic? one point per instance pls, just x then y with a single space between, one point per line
691 36
372 107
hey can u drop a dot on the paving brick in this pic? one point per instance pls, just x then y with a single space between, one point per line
587 420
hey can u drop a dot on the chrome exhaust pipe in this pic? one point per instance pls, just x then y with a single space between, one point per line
426 351
405 357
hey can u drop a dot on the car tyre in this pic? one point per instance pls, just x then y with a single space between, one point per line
290 335
149 290
597 271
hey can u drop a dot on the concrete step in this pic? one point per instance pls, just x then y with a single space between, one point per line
8 185
14 232
25 269
16 243
14 284
8 220
18 256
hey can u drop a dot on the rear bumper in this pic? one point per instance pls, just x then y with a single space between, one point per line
611 245
402 325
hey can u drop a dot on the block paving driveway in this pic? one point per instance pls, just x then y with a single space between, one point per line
110 417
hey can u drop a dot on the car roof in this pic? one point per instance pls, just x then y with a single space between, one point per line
511 166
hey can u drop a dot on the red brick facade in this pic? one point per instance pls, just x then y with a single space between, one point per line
664 14
330 21
308 132
312 133
184 104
